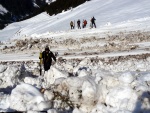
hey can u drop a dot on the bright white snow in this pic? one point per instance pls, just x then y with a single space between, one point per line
90 89
111 15
102 70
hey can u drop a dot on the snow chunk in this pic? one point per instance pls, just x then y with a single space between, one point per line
9 77
126 77
89 95
145 77
54 74
49 94
45 105
25 97
52 111
2 68
76 110
33 81
85 62
121 97
4 101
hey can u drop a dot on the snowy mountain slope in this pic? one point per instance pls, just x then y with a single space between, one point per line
3 10
107 13
49 1
18 10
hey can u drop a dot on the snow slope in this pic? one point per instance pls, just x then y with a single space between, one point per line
3 10
110 14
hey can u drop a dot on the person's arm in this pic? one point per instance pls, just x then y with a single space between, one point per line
53 56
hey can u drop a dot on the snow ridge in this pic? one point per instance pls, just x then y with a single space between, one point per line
2 10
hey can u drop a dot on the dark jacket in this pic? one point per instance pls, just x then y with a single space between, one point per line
78 22
47 57
93 20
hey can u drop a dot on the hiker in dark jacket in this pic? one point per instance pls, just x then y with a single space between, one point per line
93 22
47 56
78 23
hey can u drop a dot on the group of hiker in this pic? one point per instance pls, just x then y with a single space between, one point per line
47 56
84 23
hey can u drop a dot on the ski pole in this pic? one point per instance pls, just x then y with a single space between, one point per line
40 57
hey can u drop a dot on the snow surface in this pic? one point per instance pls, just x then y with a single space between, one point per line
3 10
50 1
89 90
111 15
102 70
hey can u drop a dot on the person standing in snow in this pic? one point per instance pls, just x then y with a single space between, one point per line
47 57
78 23
93 22
72 25
84 23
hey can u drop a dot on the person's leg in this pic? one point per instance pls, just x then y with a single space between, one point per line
92 24
46 67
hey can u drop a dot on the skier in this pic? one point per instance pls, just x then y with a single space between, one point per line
47 57
78 23
72 25
84 23
93 22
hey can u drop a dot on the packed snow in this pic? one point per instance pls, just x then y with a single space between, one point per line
100 70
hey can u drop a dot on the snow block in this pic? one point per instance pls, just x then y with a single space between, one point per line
26 97
54 74
121 97
126 78
9 77
2 68
52 111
